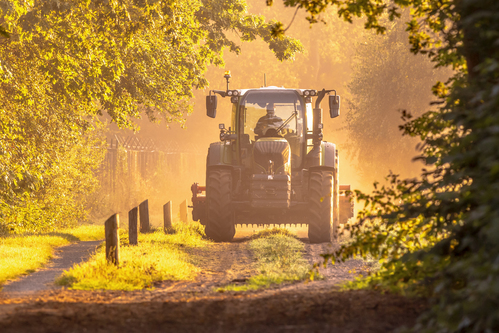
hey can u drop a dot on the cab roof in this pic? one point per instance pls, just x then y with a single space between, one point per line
299 91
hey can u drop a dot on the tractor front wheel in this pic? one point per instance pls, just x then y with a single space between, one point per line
220 226
320 227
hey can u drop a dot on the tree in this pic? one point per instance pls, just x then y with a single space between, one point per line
439 234
64 62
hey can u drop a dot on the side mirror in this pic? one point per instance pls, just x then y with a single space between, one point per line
334 106
211 106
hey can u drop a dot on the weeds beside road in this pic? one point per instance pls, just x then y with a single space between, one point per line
278 259
270 257
157 257
275 258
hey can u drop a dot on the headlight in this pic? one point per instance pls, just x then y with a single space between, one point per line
306 93
313 92
236 92
229 93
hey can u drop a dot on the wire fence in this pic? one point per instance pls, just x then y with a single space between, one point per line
137 157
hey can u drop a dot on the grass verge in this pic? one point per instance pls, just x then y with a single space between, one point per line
23 254
279 259
157 257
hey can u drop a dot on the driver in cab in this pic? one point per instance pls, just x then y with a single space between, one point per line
268 124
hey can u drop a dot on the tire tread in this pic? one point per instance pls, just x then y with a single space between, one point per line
219 226
320 228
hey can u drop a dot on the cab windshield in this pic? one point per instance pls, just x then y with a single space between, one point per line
274 114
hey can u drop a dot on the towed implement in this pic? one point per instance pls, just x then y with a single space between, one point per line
272 166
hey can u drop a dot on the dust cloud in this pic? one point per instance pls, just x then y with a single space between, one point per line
331 60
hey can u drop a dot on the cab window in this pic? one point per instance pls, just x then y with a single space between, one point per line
274 114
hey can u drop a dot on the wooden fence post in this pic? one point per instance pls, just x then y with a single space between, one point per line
132 226
144 216
183 211
113 239
167 217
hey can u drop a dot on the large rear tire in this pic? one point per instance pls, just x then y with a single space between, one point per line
220 225
320 224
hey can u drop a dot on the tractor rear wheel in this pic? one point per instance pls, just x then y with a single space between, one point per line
220 225
320 226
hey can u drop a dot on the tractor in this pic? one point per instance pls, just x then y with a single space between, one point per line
271 166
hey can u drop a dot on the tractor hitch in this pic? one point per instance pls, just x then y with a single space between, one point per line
198 202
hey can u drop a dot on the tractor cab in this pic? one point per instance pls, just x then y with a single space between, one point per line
268 115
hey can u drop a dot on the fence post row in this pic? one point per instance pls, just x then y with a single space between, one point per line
132 226
112 226
144 217
112 239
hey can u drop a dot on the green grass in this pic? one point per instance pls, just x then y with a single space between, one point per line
23 254
279 259
86 232
157 257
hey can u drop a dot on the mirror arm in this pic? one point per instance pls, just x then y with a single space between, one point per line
220 92
321 95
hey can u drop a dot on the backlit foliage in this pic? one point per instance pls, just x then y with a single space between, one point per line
387 78
64 62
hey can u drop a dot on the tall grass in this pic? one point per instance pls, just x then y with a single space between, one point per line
279 259
157 257
23 254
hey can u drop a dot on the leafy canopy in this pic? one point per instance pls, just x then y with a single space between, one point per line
64 62
109 56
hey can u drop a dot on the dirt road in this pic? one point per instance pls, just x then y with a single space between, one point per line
195 306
